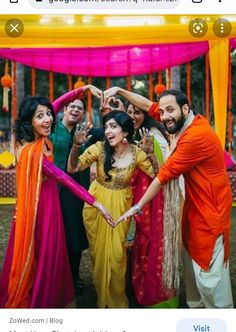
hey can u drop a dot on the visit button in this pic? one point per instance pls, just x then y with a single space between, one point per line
201 325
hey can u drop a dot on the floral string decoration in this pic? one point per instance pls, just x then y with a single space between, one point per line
6 82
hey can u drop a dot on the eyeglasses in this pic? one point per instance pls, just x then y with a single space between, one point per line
73 107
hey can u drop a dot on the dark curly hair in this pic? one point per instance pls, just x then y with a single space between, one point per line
23 126
148 123
126 123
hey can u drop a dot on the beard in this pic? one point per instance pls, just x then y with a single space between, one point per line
177 124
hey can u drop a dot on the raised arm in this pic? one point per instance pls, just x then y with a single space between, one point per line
80 137
70 96
73 165
67 98
147 145
137 100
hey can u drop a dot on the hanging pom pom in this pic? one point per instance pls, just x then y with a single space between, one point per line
79 83
159 88
5 109
6 82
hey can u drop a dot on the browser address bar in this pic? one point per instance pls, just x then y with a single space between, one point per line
118 6
104 4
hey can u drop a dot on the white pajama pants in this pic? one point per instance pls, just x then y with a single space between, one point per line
208 289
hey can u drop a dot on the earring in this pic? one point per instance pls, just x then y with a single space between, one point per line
125 141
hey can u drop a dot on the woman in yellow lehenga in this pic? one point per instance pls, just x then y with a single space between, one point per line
116 160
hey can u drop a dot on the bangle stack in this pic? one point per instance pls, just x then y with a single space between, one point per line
137 209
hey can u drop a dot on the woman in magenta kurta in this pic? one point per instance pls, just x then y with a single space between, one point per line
36 272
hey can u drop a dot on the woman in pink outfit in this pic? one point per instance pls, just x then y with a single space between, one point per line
36 271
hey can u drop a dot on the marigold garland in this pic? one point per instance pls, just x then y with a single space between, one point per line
229 132
6 82
129 83
33 81
188 70
51 86
230 116
89 101
230 84
150 87
168 71
70 83
108 82
207 87
14 96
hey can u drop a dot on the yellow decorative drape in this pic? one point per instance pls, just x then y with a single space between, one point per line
219 66
107 30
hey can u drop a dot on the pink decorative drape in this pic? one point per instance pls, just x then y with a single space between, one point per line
233 43
107 61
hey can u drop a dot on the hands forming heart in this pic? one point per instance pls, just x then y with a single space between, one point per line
107 98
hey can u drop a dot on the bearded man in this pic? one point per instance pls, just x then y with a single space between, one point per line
196 152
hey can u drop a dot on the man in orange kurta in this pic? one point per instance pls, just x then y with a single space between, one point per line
198 155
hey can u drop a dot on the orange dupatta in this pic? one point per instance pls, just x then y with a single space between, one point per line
29 179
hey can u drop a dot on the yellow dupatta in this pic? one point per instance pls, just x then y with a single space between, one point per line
29 179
